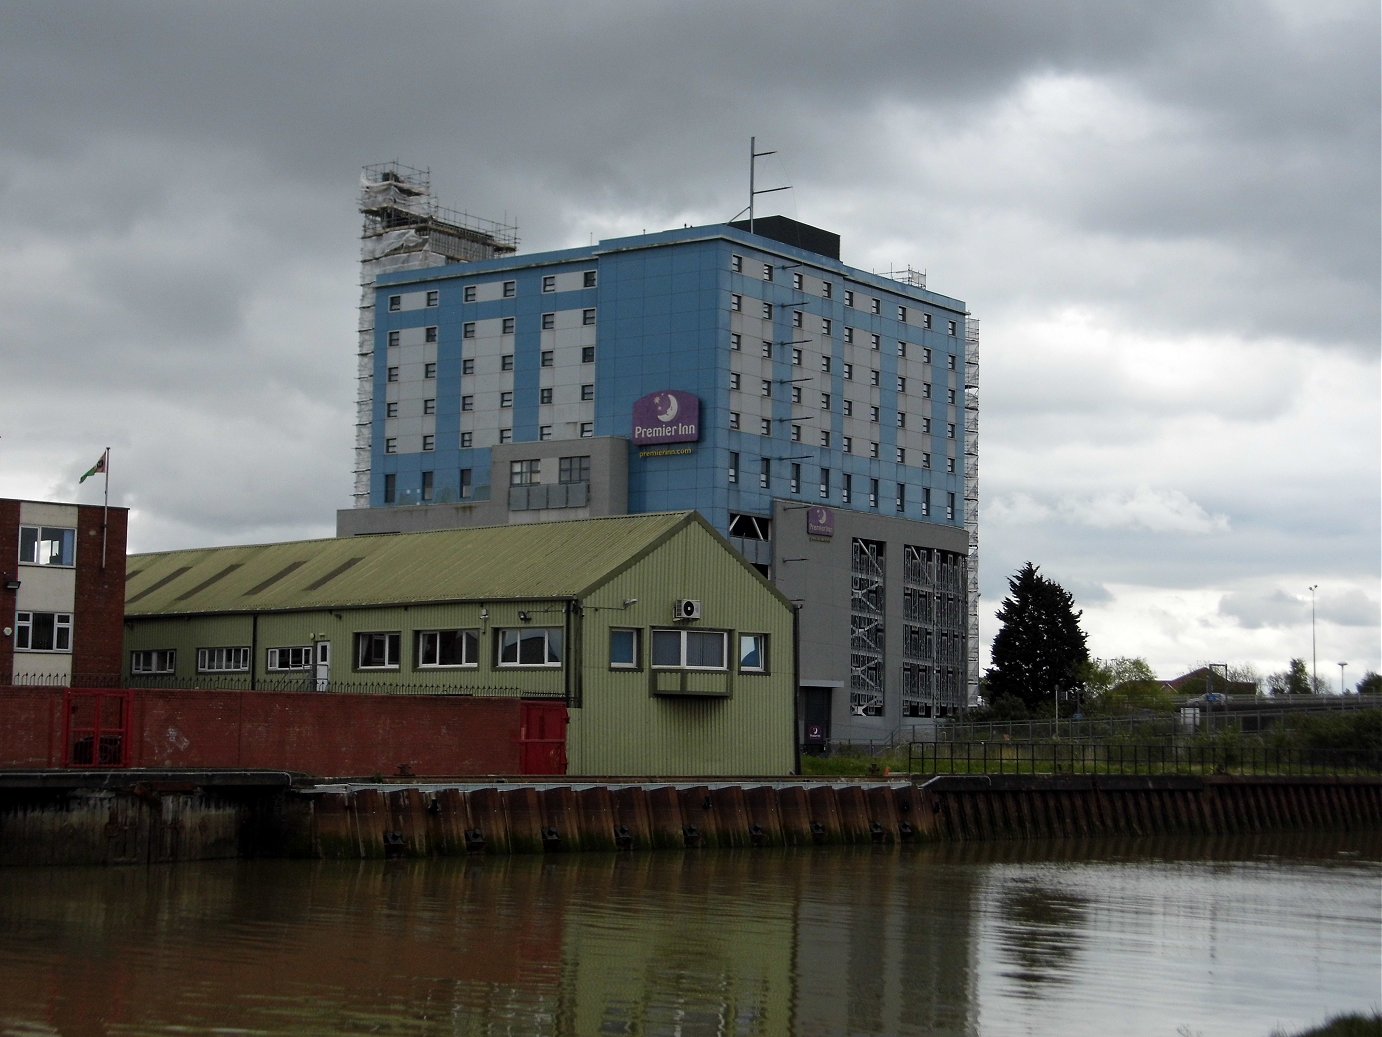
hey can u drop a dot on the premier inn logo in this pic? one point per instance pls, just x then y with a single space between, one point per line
670 416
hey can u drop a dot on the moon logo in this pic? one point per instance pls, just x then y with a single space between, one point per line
670 412
820 515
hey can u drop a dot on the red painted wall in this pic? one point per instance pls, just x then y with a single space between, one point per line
321 735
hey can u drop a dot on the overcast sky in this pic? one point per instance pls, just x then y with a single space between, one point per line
1165 215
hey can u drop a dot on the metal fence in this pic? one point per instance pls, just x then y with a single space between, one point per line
1092 758
290 683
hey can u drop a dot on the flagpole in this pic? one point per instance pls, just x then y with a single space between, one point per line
105 510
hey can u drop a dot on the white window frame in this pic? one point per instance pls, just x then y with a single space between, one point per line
61 629
750 644
632 634
35 546
429 649
227 659
153 660
288 659
682 637
390 640
512 639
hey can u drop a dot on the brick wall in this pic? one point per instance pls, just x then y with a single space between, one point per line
98 619
321 735
9 566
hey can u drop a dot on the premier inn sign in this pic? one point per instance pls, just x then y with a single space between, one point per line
670 416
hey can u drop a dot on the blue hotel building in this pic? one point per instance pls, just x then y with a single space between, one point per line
834 440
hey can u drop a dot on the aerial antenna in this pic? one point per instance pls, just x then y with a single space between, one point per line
754 156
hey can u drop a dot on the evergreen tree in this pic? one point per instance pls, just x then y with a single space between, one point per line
1040 649
1294 680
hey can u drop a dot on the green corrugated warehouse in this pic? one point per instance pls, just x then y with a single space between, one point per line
674 656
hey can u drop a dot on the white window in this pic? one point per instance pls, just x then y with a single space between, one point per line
588 317
827 289
153 660
733 419
298 657
825 325
849 335
736 264
510 289
875 341
734 380
588 392
847 407
526 472
796 318
767 349
796 394
448 648
753 653
530 646
429 406
549 283
506 362
875 306
796 433
736 341
825 437
901 455
377 651
392 374
901 384
429 371
468 329
767 271
507 326
391 445
544 432
467 440
395 338
849 297
468 365
469 294
796 281
765 426
544 395
467 403
733 468
690 649
847 444
767 311
47 545
825 364
587 429
429 442
950 430
506 399
736 302
950 326
825 401
549 321
901 348
902 314
765 387
925 320
223 660
623 649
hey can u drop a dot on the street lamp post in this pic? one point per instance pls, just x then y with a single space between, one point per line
1341 679
1314 655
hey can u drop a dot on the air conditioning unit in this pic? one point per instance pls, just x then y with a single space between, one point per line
686 609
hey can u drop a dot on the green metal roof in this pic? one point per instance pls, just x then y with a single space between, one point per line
494 563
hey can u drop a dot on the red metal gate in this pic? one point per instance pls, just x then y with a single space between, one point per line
97 728
542 738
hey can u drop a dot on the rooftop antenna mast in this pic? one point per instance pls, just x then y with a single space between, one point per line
754 156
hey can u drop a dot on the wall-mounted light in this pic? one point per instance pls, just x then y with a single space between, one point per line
524 617
630 601
12 583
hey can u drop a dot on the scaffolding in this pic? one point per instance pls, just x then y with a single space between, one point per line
405 229
971 491
866 629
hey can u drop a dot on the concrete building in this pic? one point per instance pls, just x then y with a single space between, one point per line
821 417
62 588
665 652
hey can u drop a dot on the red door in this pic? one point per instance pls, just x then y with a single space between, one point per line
97 728
542 738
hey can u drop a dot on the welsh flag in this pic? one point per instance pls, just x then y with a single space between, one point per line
96 469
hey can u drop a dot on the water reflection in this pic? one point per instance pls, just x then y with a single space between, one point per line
983 939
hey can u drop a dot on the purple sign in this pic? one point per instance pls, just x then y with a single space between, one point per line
670 416
820 522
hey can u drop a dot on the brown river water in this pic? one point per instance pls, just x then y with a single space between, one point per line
1242 935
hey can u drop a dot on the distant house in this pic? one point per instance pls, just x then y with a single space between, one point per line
1207 681
62 583
669 652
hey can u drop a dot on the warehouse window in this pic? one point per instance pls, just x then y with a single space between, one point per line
296 657
530 646
377 651
43 631
47 545
448 648
753 653
223 660
153 660
690 649
623 649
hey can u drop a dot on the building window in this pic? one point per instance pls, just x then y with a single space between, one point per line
506 327
392 374
467 439
588 317
377 651
733 420
901 455
950 327
525 472
795 482
587 354
736 264
468 329
926 425
588 391
547 358
448 648
876 306
587 429
623 649
825 364
901 419
510 289
765 387
43 631
544 395
549 283
827 290
390 488
530 646
849 297
506 435
925 390
874 378
767 349
901 348
925 501
765 426
846 488
469 294
153 660
796 281
825 401
429 442
950 430
796 433
390 445
796 394
825 325
736 302
901 384
950 505
296 657
506 399
873 449
468 365
429 370
429 406
690 649
467 403
847 444
765 473
549 321
767 311
873 493
428 478
796 318
926 459
796 357
902 314
465 480
950 465
736 341
825 484
734 380
47 545
395 303
875 342
574 469
847 408
506 362
733 468
588 279
430 334
223 660
825 438
767 271
394 338
950 361
544 432
901 497
849 336
873 415
925 354
753 653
